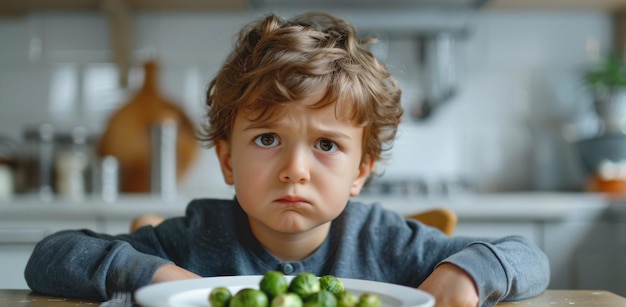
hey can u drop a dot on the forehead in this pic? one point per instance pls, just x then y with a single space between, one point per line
342 110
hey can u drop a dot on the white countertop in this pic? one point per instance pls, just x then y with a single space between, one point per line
518 206
522 206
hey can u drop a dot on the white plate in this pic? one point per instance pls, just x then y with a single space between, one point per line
195 292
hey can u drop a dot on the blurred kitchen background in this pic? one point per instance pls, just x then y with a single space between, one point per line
515 107
493 90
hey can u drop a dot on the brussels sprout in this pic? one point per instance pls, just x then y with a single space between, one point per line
220 297
287 299
274 283
347 299
304 284
369 300
322 298
332 284
249 297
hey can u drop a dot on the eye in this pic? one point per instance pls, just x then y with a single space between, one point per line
327 145
266 140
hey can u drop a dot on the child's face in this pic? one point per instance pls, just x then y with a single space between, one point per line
294 172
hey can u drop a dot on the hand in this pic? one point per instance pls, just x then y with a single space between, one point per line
451 286
170 272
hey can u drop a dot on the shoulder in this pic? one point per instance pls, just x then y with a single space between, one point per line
211 204
209 209
379 222
374 220
372 214
203 214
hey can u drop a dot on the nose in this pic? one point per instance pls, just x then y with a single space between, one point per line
295 168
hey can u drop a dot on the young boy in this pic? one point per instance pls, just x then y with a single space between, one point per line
298 115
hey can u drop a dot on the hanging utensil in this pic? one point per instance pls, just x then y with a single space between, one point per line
437 73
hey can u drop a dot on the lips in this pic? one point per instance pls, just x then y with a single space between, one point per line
292 200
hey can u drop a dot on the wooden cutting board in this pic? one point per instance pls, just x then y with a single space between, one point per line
128 137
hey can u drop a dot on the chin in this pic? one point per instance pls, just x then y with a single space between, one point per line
291 226
295 225
293 222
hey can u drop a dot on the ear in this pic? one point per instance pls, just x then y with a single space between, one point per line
222 149
363 173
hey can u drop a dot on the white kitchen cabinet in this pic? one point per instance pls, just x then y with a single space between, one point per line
116 226
619 269
529 230
587 255
593 269
18 239
13 258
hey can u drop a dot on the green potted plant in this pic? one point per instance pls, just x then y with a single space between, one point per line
607 83
604 154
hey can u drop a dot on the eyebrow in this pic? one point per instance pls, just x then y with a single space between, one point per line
259 125
334 134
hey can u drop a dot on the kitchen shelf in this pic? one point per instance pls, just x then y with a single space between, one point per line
604 5
20 7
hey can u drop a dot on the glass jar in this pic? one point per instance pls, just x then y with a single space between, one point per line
36 160
71 163
8 154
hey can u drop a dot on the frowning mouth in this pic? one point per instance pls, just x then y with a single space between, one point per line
292 200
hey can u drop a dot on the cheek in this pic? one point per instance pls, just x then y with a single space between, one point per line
341 167
251 170
338 183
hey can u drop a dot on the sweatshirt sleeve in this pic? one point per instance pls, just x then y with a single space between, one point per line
88 265
510 268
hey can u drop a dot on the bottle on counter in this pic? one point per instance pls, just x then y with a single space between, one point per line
72 161
163 164
36 161
106 178
7 168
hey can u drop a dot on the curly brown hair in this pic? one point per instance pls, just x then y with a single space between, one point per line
277 61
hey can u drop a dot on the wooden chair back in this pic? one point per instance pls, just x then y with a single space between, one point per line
144 220
442 218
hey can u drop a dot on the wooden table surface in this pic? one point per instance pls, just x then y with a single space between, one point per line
550 298
571 298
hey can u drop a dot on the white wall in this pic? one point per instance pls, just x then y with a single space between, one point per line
518 86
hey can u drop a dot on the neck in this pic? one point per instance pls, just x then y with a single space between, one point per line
290 246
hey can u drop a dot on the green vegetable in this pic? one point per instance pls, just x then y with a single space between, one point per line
220 297
369 300
249 297
287 299
304 284
347 299
274 283
304 290
322 298
332 284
